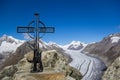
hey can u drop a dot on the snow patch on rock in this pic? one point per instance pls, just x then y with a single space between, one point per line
115 39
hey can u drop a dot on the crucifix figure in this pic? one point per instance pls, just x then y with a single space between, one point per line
33 29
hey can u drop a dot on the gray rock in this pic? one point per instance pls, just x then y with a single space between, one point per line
113 71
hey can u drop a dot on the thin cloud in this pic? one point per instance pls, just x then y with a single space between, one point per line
26 36
118 26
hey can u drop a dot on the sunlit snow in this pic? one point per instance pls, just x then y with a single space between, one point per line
115 39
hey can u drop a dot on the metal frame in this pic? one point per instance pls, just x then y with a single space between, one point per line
36 30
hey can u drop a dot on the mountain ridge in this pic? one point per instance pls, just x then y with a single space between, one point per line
110 45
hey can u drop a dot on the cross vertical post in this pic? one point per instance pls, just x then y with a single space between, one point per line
37 53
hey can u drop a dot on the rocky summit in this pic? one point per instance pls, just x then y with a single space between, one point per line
55 68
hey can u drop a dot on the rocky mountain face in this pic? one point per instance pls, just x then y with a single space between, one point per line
55 68
113 71
108 49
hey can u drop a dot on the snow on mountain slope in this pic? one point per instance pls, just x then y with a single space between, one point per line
8 47
10 39
91 68
74 45
115 39
51 44
9 44
43 44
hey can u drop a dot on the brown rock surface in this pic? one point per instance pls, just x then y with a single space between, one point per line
55 68
40 76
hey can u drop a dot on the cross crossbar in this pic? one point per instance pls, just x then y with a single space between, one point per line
32 29
25 29
46 29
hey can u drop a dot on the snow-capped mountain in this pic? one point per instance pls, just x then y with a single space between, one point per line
74 45
9 44
10 39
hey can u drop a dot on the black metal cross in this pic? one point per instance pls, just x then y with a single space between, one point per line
35 27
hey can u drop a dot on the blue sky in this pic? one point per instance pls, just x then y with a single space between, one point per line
82 20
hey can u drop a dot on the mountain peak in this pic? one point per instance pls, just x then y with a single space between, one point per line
4 37
74 45
9 39
75 42
117 34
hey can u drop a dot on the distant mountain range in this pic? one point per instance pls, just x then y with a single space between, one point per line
12 50
9 44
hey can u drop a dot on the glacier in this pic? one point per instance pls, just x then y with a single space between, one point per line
90 67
